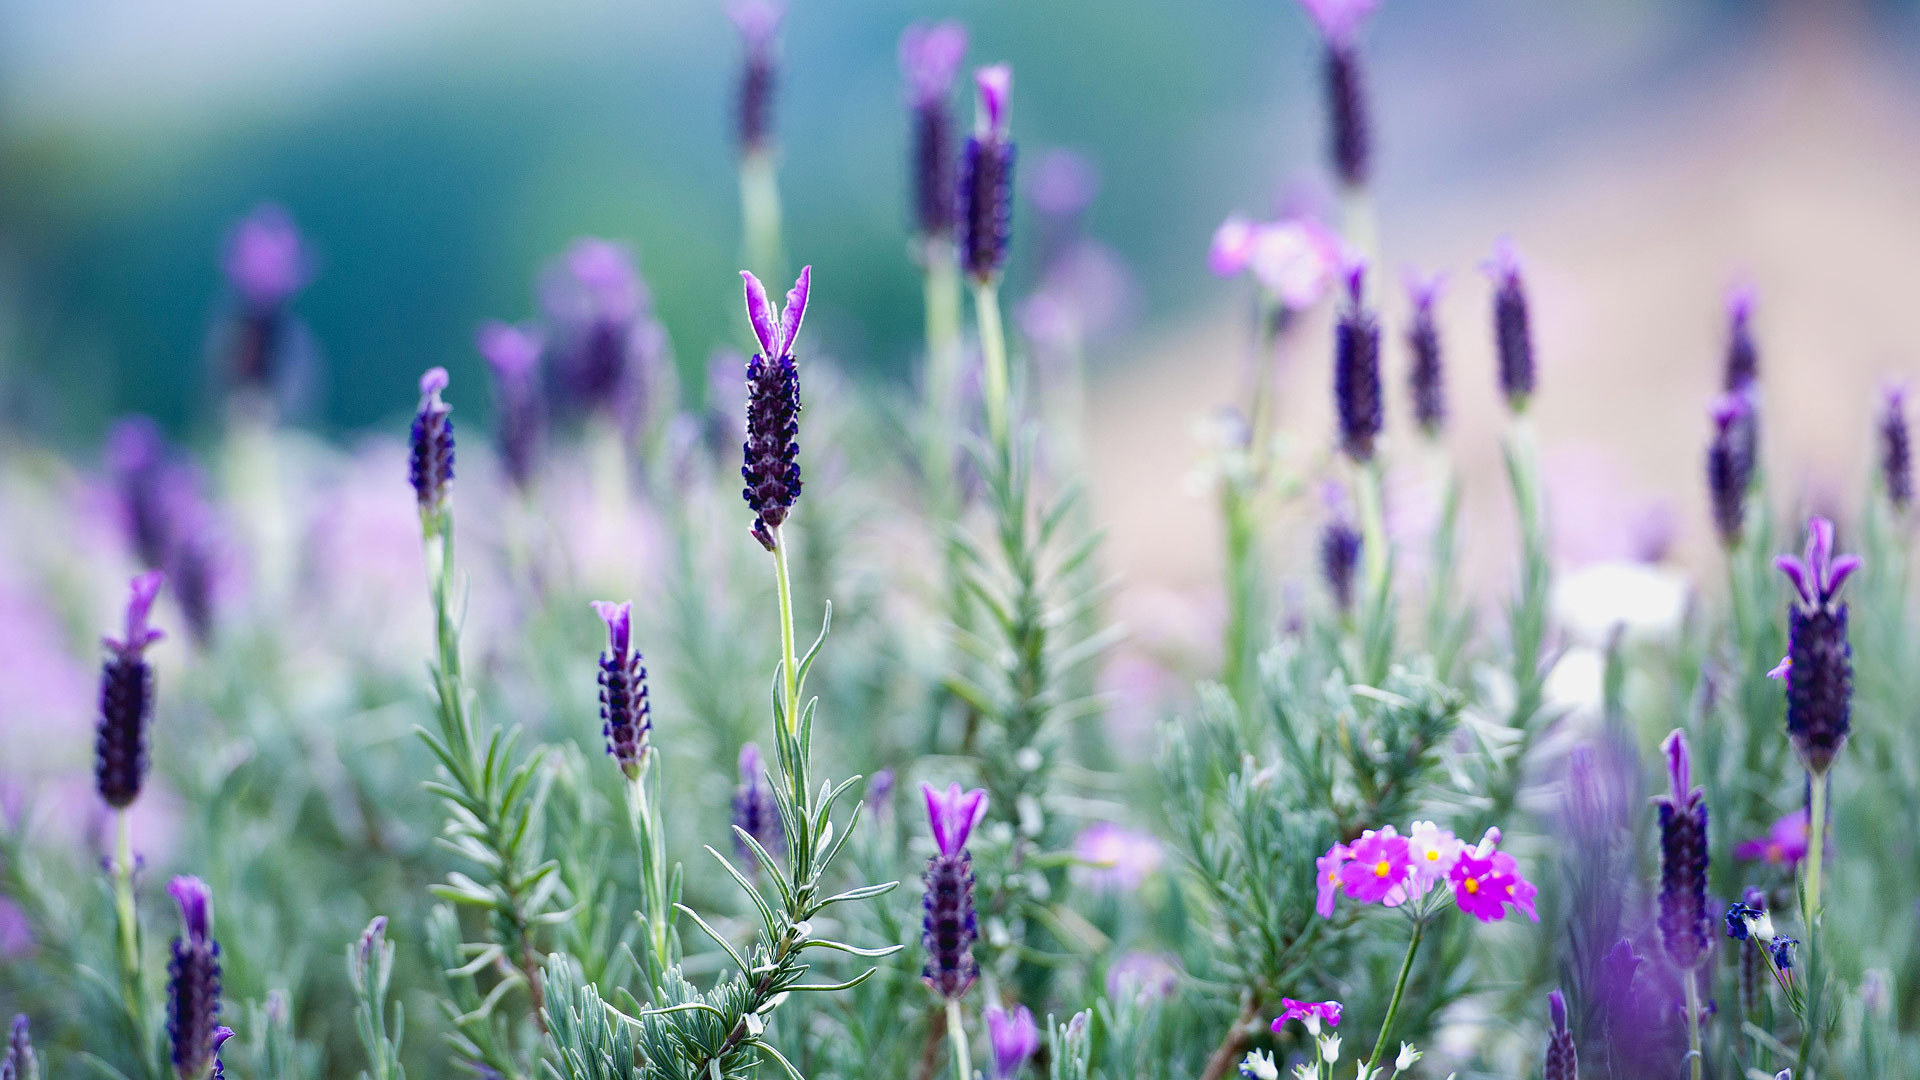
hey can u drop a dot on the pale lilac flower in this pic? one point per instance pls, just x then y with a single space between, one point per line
1231 248
265 260
1297 261
1433 851
1114 857
1063 183
1015 1038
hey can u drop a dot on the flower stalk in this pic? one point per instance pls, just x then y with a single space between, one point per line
1393 1003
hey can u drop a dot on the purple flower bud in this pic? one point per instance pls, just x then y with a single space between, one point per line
949 923
758 22
431 456
1512 334
1356 370
126 700
1339 549
930 57
986 179
1015 1038
1819 666
193 984
372 938
1684 921
1425 380
772 466
513 353
1896 452
625 714
1730 465
1743 356
220 1037
19 1064
880 792
753 808
1562 1062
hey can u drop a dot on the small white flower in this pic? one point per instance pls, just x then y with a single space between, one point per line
1259 1066
1330 1049
1306 1072
1408 1055
1761 927
1312 1021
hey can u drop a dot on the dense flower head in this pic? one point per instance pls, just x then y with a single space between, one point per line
126 699
626 715
1311 1013
1356 370
1014 1036
1683 917
1819 671
1512 328
1784 845
772 466
1562 1062
1896 448
1393 870
949 922
193 985
1730 464
266 262
512 353
930 57
758 22
1743 356
985 183
1426 381
753 808
430 457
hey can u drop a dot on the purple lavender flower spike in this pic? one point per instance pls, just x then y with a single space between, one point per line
193 985
1512 331
1562 1062
753 809
986 179
19 1063
1015 1038
949 923
1348 129
606 345
1896 449
1730 465
1356 369
513 354
126 700
136 461
625 714
1426 378
431 447
930 57
1685 925
772 466
1339 549
266 263
1743 356
758 22
1819 664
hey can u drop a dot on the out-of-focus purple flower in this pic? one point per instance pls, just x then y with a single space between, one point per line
1562 1062
1063 183
1896 448
170 523
16 933
1684 920
126 700
1143 977
1356 370
772 467
949 923
1338 20
1512 331
1820 670
606 346
1015 1038
1348 128
1114 857
1310 1013
513 355
266 262
930 56
1730 465
193 985
1085 294
758 21
626 715
1294 259
753 809
726 400
1784 845
1425 378
985 204
136 461
430 457
1339 548
1743 356
880 793
1328 878
1231 248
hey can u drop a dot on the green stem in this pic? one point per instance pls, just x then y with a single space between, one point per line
789 664
957 1038
653 882
1695 1058
1373 526
1810 916
942 286
132 986
993 359
760 212
1393 1006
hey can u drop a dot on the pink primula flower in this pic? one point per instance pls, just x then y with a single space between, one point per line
1381 861
1327 878
1310 1013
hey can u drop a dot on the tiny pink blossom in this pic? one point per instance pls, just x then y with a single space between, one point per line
1296 260
1784 845
1327 878
1232 246
1380 863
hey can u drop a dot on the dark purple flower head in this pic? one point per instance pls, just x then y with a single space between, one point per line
753 808
1339 23
513 354
952 815
949 923
606 343
430 466
1743 356
1512 331
136 461
625 714
1562 1062
126 700
758 22
265 261
930 57
193 985
1896 448
1684 920
1015 1038
1730 464
1819 667
1426 380
986 179
1339 549
772 466
1356 369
